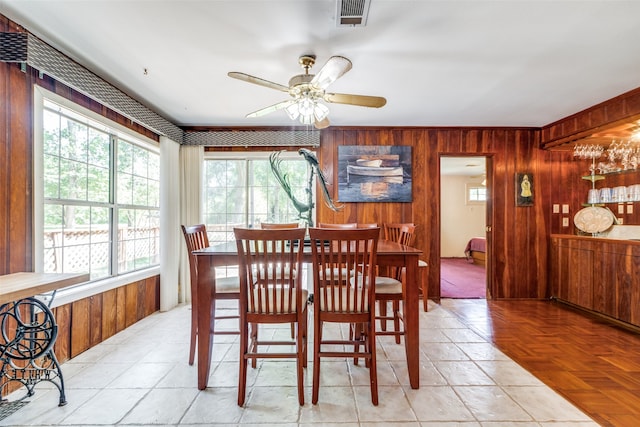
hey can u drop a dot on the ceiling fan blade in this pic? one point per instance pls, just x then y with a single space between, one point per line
257 81
324 123
361 100
335 67
271 108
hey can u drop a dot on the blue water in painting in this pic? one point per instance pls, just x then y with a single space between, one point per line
372 189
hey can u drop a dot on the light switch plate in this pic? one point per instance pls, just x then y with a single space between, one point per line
565 208
565 222
620 208
630 208
556 208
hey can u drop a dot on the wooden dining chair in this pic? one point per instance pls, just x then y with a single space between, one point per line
342 298
224 288
270 295
389 288
392 233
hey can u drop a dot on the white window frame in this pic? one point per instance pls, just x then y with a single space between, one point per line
77 292
472 186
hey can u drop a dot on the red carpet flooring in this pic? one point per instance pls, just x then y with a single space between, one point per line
460 278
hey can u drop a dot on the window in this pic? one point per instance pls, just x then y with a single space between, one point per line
242 191
476 194
101 194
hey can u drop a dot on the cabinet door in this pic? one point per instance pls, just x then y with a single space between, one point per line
572 273
618 290
580 277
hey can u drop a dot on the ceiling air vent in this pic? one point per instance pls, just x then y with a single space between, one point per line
352 13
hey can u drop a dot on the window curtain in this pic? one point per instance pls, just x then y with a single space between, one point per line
169 224
191 163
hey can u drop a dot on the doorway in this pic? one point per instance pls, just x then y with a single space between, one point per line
463 226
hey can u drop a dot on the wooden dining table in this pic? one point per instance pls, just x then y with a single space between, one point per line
389 254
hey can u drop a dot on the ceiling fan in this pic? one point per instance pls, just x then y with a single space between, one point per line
308 90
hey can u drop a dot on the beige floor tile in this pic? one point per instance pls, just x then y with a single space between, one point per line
481 351
108 406
491 403
462 373
508 372
443 351
335 405
214 405
545 404
438 403
271 405
161 406
392 406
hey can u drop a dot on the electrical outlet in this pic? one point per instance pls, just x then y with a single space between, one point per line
620 221
565 209
565 222
556 208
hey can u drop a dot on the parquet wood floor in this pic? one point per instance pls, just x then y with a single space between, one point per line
591 362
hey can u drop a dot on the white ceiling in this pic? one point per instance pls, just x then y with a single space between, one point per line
438 63
463 165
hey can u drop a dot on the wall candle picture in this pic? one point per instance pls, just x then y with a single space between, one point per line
524 189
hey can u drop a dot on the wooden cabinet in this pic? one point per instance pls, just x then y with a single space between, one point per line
600 275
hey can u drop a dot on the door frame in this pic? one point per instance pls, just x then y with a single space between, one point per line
490 285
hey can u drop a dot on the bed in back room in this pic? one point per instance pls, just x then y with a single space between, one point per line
476 250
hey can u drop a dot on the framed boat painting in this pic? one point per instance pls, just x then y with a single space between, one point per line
380 173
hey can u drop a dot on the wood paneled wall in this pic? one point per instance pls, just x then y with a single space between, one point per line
89 321
15 165
518 258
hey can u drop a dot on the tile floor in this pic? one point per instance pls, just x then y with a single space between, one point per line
140 377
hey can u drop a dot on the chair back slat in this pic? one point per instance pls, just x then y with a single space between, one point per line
344 268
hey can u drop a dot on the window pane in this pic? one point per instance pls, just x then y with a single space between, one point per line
73 180
138 237
73 140
98 184
51 122
99 148
125 189
140 191
51 176
125 157
140 161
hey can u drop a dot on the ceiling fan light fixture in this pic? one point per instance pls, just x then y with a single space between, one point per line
307 110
